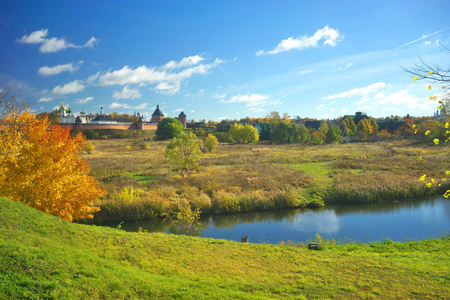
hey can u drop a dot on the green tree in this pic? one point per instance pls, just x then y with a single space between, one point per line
243 134
211 143
302 135
168 128
349 125
281 133
364 127
333 134
184 151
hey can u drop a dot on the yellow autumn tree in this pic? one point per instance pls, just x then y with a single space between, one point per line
12 121
40 164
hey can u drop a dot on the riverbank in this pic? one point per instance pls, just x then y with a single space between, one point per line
42 256
237 178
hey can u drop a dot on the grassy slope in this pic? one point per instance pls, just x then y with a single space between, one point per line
44 257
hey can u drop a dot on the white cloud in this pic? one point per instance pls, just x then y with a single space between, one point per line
344 111
178 110
426 43
45 99
166 82
52 45
127 93
319 107
357 91
119 105
85 100
305 72
346 66
167 88
185 62
250 100
406 100
127 106
141 106
329 36
69 88
217 96
48 71
223 118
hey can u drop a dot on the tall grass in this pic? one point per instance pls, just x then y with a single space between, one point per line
262 176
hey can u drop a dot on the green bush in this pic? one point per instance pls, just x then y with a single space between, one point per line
211 143
168 128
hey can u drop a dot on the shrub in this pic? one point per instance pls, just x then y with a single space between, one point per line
145 146
211 143
168 128
89 147
128 147
104 137
184 151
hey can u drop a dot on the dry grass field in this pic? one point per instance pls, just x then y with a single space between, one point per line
141 183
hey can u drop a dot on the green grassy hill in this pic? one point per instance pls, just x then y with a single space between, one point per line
42 257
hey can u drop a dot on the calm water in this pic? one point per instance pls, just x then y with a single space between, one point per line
364 223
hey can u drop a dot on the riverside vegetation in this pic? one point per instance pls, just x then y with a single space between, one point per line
44 257
141 183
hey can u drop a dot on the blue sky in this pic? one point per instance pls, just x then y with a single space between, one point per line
219 60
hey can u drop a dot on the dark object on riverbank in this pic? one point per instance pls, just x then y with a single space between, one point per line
314 246
244 239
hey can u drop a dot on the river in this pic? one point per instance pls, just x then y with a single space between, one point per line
398 221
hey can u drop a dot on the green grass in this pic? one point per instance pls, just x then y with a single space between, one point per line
43 257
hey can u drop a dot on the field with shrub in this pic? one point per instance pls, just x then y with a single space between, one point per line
234 178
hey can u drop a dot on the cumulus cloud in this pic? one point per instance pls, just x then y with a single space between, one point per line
253 101
119 105
328 35
45 99
141 106
250 100
166 88
85 100
357 91
404 99
185 62
49 71
127 93
127 106
69 88
166 82
52 45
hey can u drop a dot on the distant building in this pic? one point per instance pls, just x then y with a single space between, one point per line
182 119
358 116
157 115
65 115
106 119
86 118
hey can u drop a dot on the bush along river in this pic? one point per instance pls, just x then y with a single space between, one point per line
398 221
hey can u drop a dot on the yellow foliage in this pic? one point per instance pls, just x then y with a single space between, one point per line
47 173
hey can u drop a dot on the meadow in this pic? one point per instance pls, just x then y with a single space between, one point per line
141 183
43 257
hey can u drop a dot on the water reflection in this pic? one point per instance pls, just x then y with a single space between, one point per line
397 221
